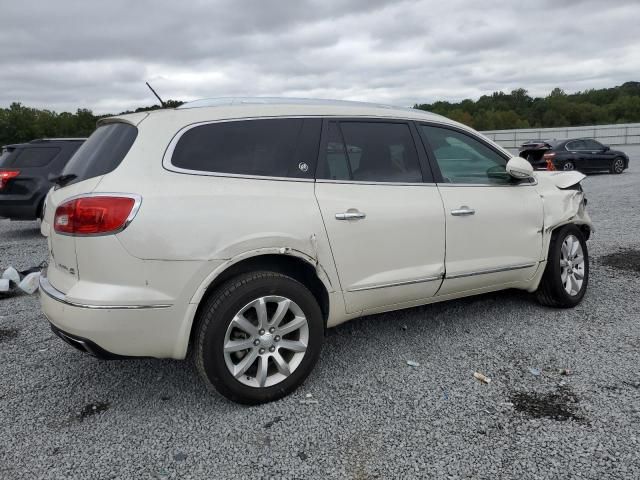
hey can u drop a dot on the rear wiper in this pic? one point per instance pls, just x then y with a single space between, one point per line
62 180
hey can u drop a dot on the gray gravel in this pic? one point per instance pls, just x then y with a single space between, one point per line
375 416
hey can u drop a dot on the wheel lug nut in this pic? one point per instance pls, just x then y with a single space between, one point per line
261 332
272 348
277 338
272 329
262 351
256 342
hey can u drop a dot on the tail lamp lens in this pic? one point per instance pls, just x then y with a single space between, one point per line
96 215
6 175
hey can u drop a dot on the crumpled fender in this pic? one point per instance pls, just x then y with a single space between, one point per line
562 204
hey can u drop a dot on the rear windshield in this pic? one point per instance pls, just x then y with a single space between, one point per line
35 156
102 152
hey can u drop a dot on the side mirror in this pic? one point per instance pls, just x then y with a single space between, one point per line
519 168
606 148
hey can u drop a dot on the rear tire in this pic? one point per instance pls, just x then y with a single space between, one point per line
258 338
617 166
566 275
568 166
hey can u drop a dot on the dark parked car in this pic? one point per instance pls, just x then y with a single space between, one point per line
584 154
25 172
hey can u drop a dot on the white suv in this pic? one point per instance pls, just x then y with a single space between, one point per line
239 229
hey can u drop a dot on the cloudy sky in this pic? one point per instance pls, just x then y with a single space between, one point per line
66 54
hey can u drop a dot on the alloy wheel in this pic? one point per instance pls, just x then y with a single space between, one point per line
568 166
618 165
572 265
266 341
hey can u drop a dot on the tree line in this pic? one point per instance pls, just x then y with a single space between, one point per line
621 104
558 109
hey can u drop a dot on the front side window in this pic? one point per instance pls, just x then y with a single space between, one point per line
593 145
282 147
370 152
463 159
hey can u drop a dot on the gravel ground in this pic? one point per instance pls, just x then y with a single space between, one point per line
369 414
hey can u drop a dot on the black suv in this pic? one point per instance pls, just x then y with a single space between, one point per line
25 173
584 154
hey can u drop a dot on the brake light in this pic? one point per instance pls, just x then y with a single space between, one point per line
6 175
95 215
548 157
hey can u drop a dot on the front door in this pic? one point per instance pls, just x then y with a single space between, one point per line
494 225
385 224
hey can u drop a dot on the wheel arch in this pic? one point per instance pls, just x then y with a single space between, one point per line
290 262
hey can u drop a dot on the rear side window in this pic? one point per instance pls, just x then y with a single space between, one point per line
102 152
370 152
279 147
35 156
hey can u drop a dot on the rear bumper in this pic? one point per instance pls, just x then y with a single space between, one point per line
18 210
114 331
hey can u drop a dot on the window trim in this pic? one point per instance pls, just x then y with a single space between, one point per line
425 170
437 173
168 153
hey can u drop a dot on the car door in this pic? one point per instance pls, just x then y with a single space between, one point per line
493 223
595 155
384 220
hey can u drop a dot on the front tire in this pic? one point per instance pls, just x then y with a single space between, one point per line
566 275
617 166
258 338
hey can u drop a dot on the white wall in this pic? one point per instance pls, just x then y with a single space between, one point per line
624 136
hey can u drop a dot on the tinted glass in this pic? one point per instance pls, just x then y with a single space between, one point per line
35 156
576 145
463 159
592 145
5 154
282 147
371 152
102 152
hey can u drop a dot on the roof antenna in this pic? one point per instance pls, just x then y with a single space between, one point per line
164 105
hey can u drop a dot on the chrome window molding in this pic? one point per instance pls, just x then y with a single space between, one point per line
137 201
396 284
360 182
51 291
490 270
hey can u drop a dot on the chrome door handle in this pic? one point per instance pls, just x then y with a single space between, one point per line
463 211
350 215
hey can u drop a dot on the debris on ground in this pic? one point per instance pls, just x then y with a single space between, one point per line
481 378
26 281
412 363
535 371
564 371
93 409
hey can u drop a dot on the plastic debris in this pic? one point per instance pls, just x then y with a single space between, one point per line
535 371
27 281
11 274
564 371
411 363
481 378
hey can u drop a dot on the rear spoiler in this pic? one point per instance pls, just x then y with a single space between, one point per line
130 118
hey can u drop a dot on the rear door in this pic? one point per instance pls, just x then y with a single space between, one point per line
493 224
384 220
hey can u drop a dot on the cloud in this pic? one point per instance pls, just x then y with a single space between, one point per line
68 54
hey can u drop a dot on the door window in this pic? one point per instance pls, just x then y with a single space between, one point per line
370 152
593 145
576 145
463 159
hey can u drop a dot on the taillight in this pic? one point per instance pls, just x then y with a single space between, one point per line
95 215
6 175
548 157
